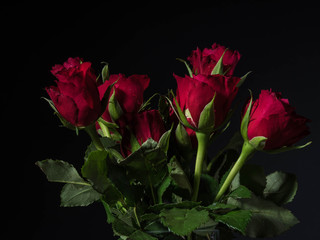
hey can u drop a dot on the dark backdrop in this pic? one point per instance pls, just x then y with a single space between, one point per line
278 41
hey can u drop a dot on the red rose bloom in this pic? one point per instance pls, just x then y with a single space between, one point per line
273 117
76 96
193 94
204 61
128 92
142 126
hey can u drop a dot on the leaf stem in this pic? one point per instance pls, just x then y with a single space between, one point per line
247 151
91 130
203 140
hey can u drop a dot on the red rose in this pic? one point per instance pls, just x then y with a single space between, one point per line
76 96
193 94
142 126
128 92
204 61
273 117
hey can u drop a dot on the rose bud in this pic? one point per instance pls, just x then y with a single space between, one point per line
76 96
203 62
137 128
127 96
272 117
205 100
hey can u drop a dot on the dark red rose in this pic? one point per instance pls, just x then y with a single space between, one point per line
142 126
76 96
193 94
128 92
204 61
273 117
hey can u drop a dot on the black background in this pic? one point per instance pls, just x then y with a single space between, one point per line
279 42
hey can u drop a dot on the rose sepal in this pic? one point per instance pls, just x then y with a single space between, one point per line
245 121
207 118
178 112
285 149
218 68
114 108
187 66
105 72
243 78
258 142
64 122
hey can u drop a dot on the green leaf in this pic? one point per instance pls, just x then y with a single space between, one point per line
162 188
183 221
183 205
281 187
110 217
220 208
206 120
178 175
156 228
268 219
240 192
206 228
74 195
122 228
165 140
147 165
253 177
218 68
140 235
237 219
60 171
245 121
209 188
187 66
95 169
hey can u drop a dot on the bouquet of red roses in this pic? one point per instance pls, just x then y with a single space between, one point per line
150 168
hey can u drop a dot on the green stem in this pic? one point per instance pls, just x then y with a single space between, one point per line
203 139
91 130
247 151
136 216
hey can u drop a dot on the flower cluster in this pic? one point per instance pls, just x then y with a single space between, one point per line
149 167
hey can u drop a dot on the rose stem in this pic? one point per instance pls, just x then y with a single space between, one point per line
203 139
91 130
247 150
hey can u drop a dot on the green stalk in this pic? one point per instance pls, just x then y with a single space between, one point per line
203 140
91 130
246 152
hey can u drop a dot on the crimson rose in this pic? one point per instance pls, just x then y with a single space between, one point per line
193 94
128 92
273 117
204 61
76 96
141 126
